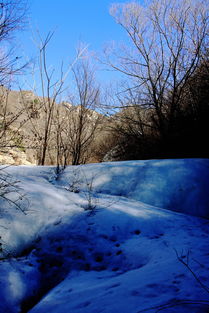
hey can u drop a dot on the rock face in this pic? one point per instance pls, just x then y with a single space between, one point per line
14 157
13 127
23 120
113 155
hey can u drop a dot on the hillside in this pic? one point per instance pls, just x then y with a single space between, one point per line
109 237
24 117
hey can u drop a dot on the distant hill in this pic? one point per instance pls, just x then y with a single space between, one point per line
23 117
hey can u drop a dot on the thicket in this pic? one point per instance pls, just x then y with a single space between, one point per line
133 133
163 104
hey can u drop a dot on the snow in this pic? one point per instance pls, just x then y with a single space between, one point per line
109 237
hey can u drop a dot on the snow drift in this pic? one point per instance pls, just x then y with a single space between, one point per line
179 185
123 254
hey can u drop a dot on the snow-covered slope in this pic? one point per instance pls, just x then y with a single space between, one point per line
180 185
126 254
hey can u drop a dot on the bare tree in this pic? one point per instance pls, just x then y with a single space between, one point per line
168 39
50 92
10 121
82 118
46 128
40 111
12 19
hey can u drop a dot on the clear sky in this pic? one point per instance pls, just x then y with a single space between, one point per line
72 21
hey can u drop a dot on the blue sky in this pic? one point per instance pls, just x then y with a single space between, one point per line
72 21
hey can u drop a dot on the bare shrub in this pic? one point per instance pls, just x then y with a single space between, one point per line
11 194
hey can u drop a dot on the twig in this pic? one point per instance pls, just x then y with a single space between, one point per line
191 271
168 305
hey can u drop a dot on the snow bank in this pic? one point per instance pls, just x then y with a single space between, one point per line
179 185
